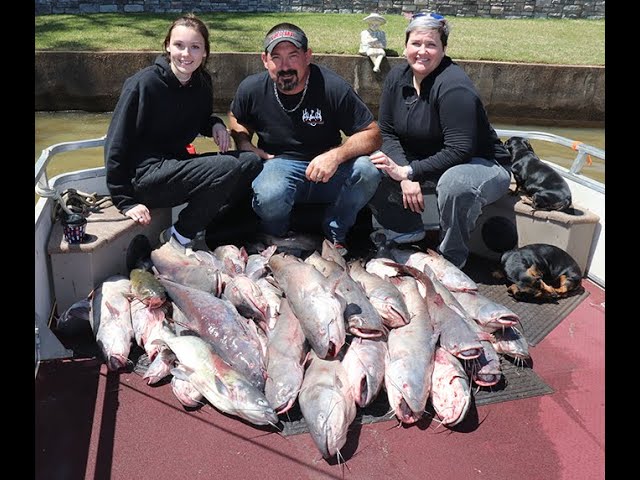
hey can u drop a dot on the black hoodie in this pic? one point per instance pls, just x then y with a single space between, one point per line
155 118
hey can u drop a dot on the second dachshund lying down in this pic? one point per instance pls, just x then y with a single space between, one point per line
544 187
541 272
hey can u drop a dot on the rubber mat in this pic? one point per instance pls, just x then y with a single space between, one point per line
537 319
517 382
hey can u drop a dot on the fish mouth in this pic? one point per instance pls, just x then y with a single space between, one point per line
488 380
393 318
365 332
405 414
287 406
508 320
469 354
116 362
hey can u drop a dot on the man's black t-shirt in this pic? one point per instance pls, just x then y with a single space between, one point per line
330 107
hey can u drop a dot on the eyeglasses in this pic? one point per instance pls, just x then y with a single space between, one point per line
435 16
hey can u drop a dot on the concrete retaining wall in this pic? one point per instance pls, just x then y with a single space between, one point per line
518 93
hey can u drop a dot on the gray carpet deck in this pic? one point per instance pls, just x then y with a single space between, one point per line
538 319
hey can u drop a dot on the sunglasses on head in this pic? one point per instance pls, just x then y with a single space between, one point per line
435 16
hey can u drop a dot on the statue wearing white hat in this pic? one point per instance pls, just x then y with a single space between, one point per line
373 41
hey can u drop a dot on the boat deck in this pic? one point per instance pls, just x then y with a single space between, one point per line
94 424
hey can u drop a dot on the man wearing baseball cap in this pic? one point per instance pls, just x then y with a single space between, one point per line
299 111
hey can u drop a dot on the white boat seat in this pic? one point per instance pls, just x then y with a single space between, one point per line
79 268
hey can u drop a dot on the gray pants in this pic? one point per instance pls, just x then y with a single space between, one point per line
461 192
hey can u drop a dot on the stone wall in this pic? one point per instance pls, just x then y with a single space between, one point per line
513 93
590 9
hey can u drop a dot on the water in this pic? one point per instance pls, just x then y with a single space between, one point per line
58 127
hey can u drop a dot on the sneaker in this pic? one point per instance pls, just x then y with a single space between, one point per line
167 237
397 237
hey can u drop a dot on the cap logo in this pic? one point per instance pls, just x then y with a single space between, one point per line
282 33
285 35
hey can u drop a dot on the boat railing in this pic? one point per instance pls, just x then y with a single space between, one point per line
583 151
41 180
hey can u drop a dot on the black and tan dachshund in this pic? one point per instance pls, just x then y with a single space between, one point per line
541 272
543 187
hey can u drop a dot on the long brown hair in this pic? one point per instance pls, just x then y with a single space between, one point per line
191 21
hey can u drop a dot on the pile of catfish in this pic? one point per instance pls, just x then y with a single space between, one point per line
254 334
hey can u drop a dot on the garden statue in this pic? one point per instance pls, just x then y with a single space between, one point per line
373 41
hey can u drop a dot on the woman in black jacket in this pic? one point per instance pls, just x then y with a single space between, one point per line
436 134
162 109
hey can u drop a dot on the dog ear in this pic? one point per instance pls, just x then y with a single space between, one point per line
527 144
508 144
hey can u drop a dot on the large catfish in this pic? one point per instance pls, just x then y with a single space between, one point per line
363 320
364 364
178 267
458 334
490 315
234 259
512 343
111 320
450 389
327 404
147 288
330 252
446 272
314 302
248 299
383 295
273 294
286 353
258 263
218 321
409 362
226 389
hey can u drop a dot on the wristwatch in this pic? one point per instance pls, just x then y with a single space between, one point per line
409 173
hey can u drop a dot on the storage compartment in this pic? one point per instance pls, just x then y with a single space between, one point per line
510 222
78 269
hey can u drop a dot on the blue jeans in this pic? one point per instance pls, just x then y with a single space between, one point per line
462 192
282 183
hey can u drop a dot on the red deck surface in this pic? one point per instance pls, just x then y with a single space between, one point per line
97 425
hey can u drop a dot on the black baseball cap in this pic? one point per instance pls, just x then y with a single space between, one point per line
297 37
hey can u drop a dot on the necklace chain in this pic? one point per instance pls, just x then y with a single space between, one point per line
304 93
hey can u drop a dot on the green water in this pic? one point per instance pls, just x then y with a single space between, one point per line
58 127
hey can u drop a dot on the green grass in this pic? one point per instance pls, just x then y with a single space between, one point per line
548 41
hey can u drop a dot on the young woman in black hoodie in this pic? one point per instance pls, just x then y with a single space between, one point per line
161 109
